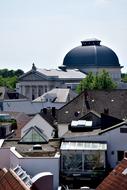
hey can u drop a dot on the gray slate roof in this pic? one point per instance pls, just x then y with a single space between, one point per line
59 95
52 74
68 74
114 101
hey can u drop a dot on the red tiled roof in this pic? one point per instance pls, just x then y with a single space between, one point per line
115 180
10 181
2 172
21 119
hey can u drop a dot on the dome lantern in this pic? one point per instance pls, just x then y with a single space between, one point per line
91 42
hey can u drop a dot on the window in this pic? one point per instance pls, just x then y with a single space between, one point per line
69 87
40 90
33 93
34 135
72 162
123 130
93 161
33 97
45 88
120 155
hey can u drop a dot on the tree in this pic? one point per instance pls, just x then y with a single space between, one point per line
11 82
124 77
106 81
2 81
9 78
19 72
100 81
10 73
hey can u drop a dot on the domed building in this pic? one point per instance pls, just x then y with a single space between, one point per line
92 56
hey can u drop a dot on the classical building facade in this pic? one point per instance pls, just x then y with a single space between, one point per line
36 82
91 56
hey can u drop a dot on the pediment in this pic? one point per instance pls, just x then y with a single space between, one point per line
33 76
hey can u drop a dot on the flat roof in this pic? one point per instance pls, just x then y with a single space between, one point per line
26 150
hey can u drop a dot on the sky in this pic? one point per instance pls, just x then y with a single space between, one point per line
43 31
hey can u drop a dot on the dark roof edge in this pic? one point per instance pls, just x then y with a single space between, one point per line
113 127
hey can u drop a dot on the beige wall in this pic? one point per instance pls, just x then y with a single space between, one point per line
33 89
114 72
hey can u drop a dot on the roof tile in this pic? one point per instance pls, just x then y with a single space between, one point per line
115 180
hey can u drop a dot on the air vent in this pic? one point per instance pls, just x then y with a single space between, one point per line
37 147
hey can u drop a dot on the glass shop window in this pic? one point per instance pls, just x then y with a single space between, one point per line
72 162
93 162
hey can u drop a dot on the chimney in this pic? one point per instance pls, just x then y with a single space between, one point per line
44 110
106 111
53 111
125 154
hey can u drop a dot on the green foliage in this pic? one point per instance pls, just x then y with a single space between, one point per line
2 81
10 73
19 72
9 78
11 82
13 124
100 81
124 77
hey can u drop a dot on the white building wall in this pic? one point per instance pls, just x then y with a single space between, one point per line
62 129
40 105
28 106
34 166
115 73
10 158
26 87
116 141
19 106
4 158
14 158
40 123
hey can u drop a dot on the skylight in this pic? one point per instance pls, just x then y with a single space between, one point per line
82 123
34 134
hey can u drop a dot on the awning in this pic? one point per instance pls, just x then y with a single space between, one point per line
83 146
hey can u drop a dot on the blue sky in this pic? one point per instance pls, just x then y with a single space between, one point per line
43 31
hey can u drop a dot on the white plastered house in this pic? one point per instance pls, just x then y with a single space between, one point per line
40 123
115 137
